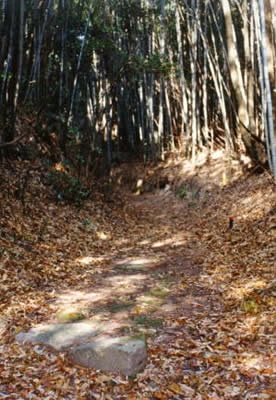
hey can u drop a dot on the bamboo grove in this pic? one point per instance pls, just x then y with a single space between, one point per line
143 76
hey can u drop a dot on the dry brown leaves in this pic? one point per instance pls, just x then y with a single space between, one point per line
219 313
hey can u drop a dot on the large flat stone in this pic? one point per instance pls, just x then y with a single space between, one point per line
126 356
59 336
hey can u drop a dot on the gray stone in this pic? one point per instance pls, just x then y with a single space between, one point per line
59 336
126 356
79 340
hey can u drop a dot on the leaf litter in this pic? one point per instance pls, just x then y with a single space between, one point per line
202 294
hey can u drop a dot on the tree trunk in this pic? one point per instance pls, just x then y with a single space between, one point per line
237 83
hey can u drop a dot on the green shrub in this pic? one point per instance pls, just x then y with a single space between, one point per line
182 192
68 187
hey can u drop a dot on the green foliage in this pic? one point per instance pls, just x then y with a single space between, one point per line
148 322
68 187
155 63
70 316
87 222
182 192
159 292
250 306
74 133
189 192
158 63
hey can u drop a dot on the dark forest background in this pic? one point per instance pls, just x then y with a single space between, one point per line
92 82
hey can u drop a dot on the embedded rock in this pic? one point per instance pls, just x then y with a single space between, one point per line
85 344
59 336
126 356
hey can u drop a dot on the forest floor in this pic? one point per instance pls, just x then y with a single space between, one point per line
163 264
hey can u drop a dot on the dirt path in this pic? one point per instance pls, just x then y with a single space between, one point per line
154 265
150 279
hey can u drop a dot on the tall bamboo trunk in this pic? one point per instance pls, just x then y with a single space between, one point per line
238 83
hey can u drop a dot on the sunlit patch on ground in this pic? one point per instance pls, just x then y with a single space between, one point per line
239 292
174 241
88 260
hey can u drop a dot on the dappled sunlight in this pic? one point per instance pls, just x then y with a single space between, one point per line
126 277
222 171
125 280
248 325
251 321
145 242
137 263
73 297
122 242
252 361
112 286
87 260
249 207
238 292
173 241
60 167
103 236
